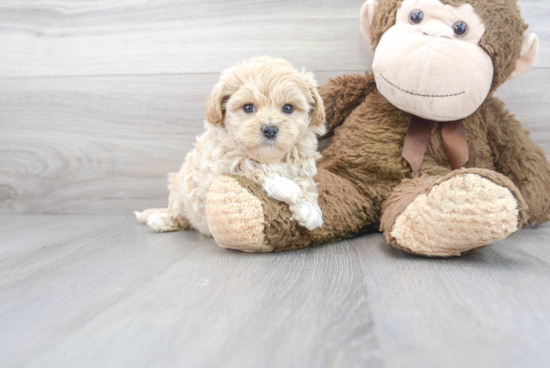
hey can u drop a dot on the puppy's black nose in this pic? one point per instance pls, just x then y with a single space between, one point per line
270 131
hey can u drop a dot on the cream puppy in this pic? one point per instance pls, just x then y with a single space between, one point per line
262 122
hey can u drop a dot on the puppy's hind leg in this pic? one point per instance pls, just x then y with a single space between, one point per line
161 220
144 215
166 221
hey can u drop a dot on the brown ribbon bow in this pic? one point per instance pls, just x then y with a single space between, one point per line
418 136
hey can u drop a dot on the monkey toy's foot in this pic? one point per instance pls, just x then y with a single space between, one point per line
235 216
461 212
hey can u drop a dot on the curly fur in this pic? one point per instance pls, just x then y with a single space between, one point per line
233 144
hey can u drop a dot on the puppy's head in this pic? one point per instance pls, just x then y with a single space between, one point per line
266 106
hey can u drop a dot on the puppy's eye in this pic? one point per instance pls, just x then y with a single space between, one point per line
416 16
460 29
249 108
287 109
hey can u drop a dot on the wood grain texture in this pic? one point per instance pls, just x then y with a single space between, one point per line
462 312
99 143
119 135
52 37
61 38
106 144
104 291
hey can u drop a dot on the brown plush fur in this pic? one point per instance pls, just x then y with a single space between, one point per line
363 164
362 177
346 94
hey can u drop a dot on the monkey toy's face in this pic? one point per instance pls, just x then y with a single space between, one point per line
429 63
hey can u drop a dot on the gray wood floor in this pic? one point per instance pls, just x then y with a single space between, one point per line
103 291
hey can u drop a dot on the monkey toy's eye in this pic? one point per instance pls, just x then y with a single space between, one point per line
416 17
287 109
249 108
460 29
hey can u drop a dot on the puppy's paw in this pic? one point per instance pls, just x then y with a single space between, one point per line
307 215
283 189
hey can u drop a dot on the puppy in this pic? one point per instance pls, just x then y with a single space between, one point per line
262 122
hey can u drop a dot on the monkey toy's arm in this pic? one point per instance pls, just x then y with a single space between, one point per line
519 158
343 94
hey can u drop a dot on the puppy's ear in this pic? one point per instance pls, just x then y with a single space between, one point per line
318 109
215 104
318 113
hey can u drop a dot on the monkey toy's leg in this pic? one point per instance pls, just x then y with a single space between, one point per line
451 215
241 216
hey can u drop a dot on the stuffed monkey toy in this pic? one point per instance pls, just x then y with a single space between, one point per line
421 149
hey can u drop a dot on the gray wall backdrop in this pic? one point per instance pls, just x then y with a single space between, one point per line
100 100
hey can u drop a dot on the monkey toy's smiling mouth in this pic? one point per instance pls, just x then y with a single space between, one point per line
418 94
421 67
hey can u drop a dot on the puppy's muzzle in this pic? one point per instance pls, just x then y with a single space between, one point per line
270 131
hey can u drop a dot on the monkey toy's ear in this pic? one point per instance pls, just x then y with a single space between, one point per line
366 16
529 52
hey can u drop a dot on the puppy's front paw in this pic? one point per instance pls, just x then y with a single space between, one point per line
307 215
283 189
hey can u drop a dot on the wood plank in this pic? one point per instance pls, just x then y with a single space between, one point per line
121 296
118 295
105 144
462 312
100 141
52 38
62 38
